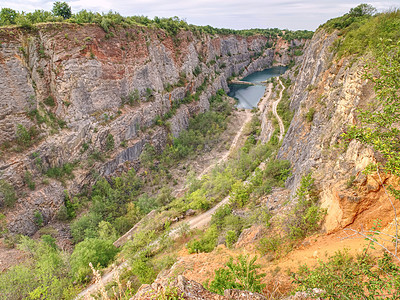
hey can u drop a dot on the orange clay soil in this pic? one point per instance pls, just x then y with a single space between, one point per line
200 267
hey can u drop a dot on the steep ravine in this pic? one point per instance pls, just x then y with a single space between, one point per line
79 79
335 88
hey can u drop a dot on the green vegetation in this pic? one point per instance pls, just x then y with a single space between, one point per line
46 274
378 126
283 108
364 277
172 26
309 116
362 30
110 142
356 16
203 132
43 115
7 191
306 216
28 180
38 218
347 277
96 251
49 101
112 202
241 275
62 9
206 243
61 173
302 220
25 137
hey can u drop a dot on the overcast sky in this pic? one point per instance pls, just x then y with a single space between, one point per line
236 14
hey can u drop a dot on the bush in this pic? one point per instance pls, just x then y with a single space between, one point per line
49 101
306 216
310 114
38 218
240 194
197 71
270 244
219 216
61 173
241 275
28 180
231 238
7 191
45 274
206 244
7 16
85 227
348 277
25 137
143 269
110 142
97 251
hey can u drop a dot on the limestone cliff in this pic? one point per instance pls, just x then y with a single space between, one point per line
326 93
86 92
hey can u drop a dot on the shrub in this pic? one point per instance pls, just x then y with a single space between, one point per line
85 227
28 180
197 71
347 277
269 244
219 216
38 218
240 194
310 114
206 244
230 238
61 173
241 275
45 275
8 16
8 193
49 101
97 251
306 215
25 136
143 269
110 142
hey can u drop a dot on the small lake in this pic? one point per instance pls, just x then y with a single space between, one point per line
249 96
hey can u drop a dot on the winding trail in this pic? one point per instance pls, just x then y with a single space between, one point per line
274 106
204 218
194 223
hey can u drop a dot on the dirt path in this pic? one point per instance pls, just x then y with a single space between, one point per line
274 106
194 223
264 101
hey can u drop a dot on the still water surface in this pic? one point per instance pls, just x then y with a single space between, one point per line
248 96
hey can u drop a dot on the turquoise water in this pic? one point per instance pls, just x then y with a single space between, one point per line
248 96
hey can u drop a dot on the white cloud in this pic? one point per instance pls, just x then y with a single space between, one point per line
292 14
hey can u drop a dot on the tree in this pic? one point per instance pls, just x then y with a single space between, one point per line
7 16
362 10
96 251
62 9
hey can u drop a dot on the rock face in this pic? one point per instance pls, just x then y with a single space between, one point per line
182 288
335 89
87 92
